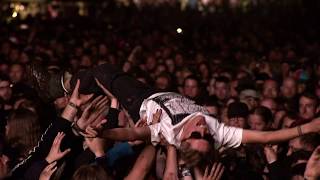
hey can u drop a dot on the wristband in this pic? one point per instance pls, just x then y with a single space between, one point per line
75 126
73 105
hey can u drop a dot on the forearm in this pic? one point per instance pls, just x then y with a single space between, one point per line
171 163
143 164
250 136
69 113
127 134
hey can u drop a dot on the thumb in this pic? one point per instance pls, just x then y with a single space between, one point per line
65 152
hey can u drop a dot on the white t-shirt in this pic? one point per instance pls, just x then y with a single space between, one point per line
181 110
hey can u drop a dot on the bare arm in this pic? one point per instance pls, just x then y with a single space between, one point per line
171 171
127 134
250 136
143 164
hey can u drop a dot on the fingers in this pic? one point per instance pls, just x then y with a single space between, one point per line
220 173
57 140
50 166
213 169
50 169
218 170
206 172
105 90
65 152
90 133
156 116
75 92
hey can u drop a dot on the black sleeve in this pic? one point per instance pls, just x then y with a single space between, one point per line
112 118
278 170
39 152
34 171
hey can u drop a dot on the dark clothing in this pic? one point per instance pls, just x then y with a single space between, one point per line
44 145
129 91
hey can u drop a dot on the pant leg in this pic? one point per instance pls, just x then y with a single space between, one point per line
129 91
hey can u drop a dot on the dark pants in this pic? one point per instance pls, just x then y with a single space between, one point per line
129 91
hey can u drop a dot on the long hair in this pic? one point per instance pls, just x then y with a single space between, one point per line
23 131
91 172
192 157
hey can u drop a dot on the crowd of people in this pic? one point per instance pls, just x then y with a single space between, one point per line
228 70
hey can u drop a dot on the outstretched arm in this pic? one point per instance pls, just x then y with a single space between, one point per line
250 136
143 164
127 134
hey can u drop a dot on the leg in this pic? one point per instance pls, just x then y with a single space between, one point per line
129 91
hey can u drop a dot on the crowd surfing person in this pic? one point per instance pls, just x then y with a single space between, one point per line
220 105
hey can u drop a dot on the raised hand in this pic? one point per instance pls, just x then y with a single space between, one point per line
105 90
93 114
96 145
271 153
313 166
215 172
48 171
55 152
78 99
156 117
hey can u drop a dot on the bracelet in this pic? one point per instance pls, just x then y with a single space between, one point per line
73 105
185 172
75 126
299 130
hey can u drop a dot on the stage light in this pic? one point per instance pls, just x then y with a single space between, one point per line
14 14
179 30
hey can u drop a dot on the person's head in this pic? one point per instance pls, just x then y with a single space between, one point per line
250 97
86 61
308 103
151 63
270 89
5 88
288 120
260 119
289 87
170 64
270 104
163 82
237 114
16 73
196 134
91 172
211 105
210 87
23 130
191 87
306 142
222 88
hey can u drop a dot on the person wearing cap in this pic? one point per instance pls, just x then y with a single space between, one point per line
250 97
237 114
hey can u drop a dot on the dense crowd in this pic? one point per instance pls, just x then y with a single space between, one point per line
250 71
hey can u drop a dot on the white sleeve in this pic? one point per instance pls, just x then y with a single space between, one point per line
155 133
228 136
225 135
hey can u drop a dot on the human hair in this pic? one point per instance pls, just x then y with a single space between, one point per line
91 172
192 157
192 77
310 141
222 79
311 96
264 113
23 130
